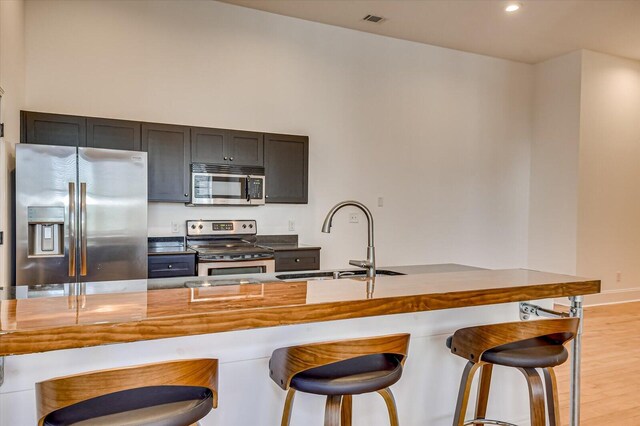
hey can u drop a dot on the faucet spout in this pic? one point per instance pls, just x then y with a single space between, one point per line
370 263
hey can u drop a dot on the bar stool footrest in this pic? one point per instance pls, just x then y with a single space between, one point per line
488 422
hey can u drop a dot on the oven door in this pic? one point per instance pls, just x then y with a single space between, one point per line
226 189
208 269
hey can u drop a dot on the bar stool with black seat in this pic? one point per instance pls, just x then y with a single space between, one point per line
522 345
173 393
340 369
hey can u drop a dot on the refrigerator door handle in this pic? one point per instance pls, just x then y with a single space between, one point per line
83 228
72 229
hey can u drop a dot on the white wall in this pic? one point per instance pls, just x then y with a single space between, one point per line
442 135
585 201
12 65
554 164
609 193
12 77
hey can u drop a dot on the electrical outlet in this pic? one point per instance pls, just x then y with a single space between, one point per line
174 227
354 218
618 276
292 225
380 202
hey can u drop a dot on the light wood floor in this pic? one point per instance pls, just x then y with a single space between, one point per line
610 367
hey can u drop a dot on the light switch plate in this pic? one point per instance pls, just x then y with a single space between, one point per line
174 227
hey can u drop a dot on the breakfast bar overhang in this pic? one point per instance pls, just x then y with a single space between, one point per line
81 322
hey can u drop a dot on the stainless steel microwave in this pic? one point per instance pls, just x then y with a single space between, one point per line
226 185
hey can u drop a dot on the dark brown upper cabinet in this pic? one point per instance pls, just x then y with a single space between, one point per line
53 129
113 134
245 148
286 164
171 149
168 150
208 145
232 147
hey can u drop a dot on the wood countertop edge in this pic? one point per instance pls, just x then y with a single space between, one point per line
96 334
298 248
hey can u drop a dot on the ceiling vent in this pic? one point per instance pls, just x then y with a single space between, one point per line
373 18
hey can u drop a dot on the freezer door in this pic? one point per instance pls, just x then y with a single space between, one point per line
112 216
45 216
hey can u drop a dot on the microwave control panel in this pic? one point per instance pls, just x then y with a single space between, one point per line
256 189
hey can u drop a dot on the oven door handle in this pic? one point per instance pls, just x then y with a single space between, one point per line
205 266
246 189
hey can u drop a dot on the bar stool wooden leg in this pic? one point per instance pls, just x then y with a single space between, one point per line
536 396
463 393
345 410
391 406
288 406
553 406
484 384
332 410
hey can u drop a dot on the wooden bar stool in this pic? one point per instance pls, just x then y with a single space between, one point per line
522 345
339 370
174 393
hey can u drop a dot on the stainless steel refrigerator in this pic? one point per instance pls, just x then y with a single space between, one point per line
81 214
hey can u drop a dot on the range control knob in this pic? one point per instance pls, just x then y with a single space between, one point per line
193 227
200 227
244 226
250 226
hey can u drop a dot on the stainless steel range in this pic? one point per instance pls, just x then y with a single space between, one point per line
228 247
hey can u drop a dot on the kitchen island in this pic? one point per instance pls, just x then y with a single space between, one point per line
242 323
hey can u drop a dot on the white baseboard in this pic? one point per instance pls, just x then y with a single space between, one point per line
607 297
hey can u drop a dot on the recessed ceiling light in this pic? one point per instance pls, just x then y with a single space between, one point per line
512 7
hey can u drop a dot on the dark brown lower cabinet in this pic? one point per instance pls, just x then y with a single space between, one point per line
297 260
172 265
286 167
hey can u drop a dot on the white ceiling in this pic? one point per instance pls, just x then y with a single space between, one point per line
540 30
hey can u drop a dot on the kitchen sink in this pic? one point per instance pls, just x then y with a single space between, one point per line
328 275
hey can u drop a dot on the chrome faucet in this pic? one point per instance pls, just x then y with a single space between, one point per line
370 263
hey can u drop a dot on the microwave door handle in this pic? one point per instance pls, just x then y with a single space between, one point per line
246 189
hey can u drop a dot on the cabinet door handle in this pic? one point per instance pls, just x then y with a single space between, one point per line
231 158
170 266
226 158
186 195
297 259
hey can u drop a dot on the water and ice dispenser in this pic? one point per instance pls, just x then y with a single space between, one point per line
46 231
